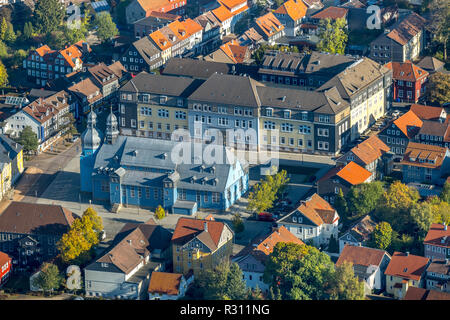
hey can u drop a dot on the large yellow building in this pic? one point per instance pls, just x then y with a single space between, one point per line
200 245
11 163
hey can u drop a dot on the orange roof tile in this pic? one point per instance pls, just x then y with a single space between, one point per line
230 4
234 51
407 266
191 26
178 29
295 10
269 24
165 283
4 258
318 210
236 12
188 228
406 71
280 235
436 233
406 122
354 174
160 40
371 149
407 28
222 13
362 256
43 50
331 13
416 152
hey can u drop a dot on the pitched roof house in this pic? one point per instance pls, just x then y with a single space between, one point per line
269 27
369 264
358 234
314 220
414 293
431 64
252 258
230 52
437 242
124 269
405 270
199 245
168 286
408 81
332 13
429 112
438 275
291 14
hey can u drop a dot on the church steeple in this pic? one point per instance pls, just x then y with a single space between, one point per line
91 138
112 128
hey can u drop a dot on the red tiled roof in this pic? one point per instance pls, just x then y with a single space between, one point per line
407 266
414 293
165 283
406 71
416 152
4 258
234 51
280 235
354 174
426 112
331 13
371 149
362 256
222 13
189 228
269 24
295 10
407 28
160 40
407 121
436 234
318 210
43 50
230 4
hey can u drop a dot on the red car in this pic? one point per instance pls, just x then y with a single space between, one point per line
266 216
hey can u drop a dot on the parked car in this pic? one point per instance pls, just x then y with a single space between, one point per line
266 216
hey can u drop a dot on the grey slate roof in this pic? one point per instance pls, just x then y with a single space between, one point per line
146 49
9 149
130 153
433 128
228 89
161 84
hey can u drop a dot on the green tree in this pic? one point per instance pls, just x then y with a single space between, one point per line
333 36
238 223
223 283
106 27
423 215
345 285
3 28
28 139
19 56
364 198
333 245
382 235
340 204
49 278
28 30
261 198
76 33
445 194
438 88
439 23
300 272
3 75
10 35
160 213
49 15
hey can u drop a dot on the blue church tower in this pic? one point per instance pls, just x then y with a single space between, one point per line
90 142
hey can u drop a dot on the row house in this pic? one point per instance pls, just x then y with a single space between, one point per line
11 164
438 276
211 37
123 270
225 17
403 41
369 265
155 105
399 132
405 270
415 294
5 268
314 220
29 232
253 258
269 27
342 178
291 14
140 9
437 242
154 21
305 70
332 13
365 85
199 245
238 8
368 154
251 39
142 55
87 94
45 64
47 118
430 113
302 121
409 81
434 133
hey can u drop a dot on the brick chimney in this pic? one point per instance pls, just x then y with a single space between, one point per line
205 226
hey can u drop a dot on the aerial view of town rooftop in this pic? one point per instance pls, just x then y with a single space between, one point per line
224 150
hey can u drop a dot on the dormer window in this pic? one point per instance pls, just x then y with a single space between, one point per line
269 112
294 219
287 114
